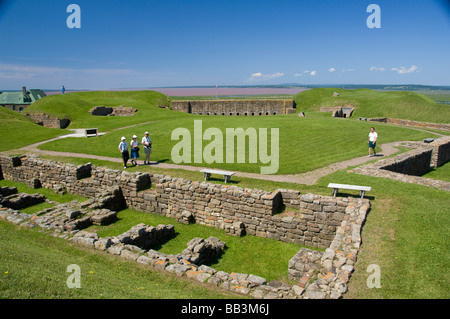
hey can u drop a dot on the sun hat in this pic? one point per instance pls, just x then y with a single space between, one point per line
134 136
146 133
123 138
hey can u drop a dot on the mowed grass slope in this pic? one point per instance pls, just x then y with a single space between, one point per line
370 103
17 131
304 143
34 265
76 106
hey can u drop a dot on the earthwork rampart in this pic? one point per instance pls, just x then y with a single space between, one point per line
238 107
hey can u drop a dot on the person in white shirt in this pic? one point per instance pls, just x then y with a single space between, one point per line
123 148
147 142
373 137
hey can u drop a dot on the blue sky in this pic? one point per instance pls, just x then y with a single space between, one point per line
145 43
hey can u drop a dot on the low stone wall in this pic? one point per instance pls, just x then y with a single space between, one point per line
201 251
338 111
22 200
68 217
48 121
237 210
113 111
441 151
6 191
147 237
320 221
416 162
440 126
407 167
323 275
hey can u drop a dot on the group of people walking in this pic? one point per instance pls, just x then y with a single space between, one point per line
146 142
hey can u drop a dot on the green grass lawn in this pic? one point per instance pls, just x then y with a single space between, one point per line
243 254
304 143
369 103
33 265
18 131
406 234
76 106
442 173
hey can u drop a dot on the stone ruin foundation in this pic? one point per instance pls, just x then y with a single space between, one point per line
338 111
113 111
333 224
408 167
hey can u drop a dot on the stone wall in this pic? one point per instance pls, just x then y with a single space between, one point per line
441 126
416 162
113 111
407 167
235 107
441 151
338 111
321 221
48 121
321 275
237 210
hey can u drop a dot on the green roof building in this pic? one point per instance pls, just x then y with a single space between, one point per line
18 101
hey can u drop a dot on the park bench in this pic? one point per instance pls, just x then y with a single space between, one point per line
362 189
90 132
207 174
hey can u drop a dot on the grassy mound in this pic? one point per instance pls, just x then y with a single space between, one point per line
17 130
76 106
369 103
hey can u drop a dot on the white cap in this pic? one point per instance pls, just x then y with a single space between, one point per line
146 133
134 136
123 138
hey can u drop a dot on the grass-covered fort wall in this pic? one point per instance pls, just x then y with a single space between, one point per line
237 107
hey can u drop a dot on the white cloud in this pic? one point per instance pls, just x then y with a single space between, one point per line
403 70
262 76
331 69
312 73
376 68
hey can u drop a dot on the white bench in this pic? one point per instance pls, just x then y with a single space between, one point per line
362 189
226 175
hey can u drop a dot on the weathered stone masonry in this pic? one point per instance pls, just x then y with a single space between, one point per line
323 221
235 107
408 167
220 206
